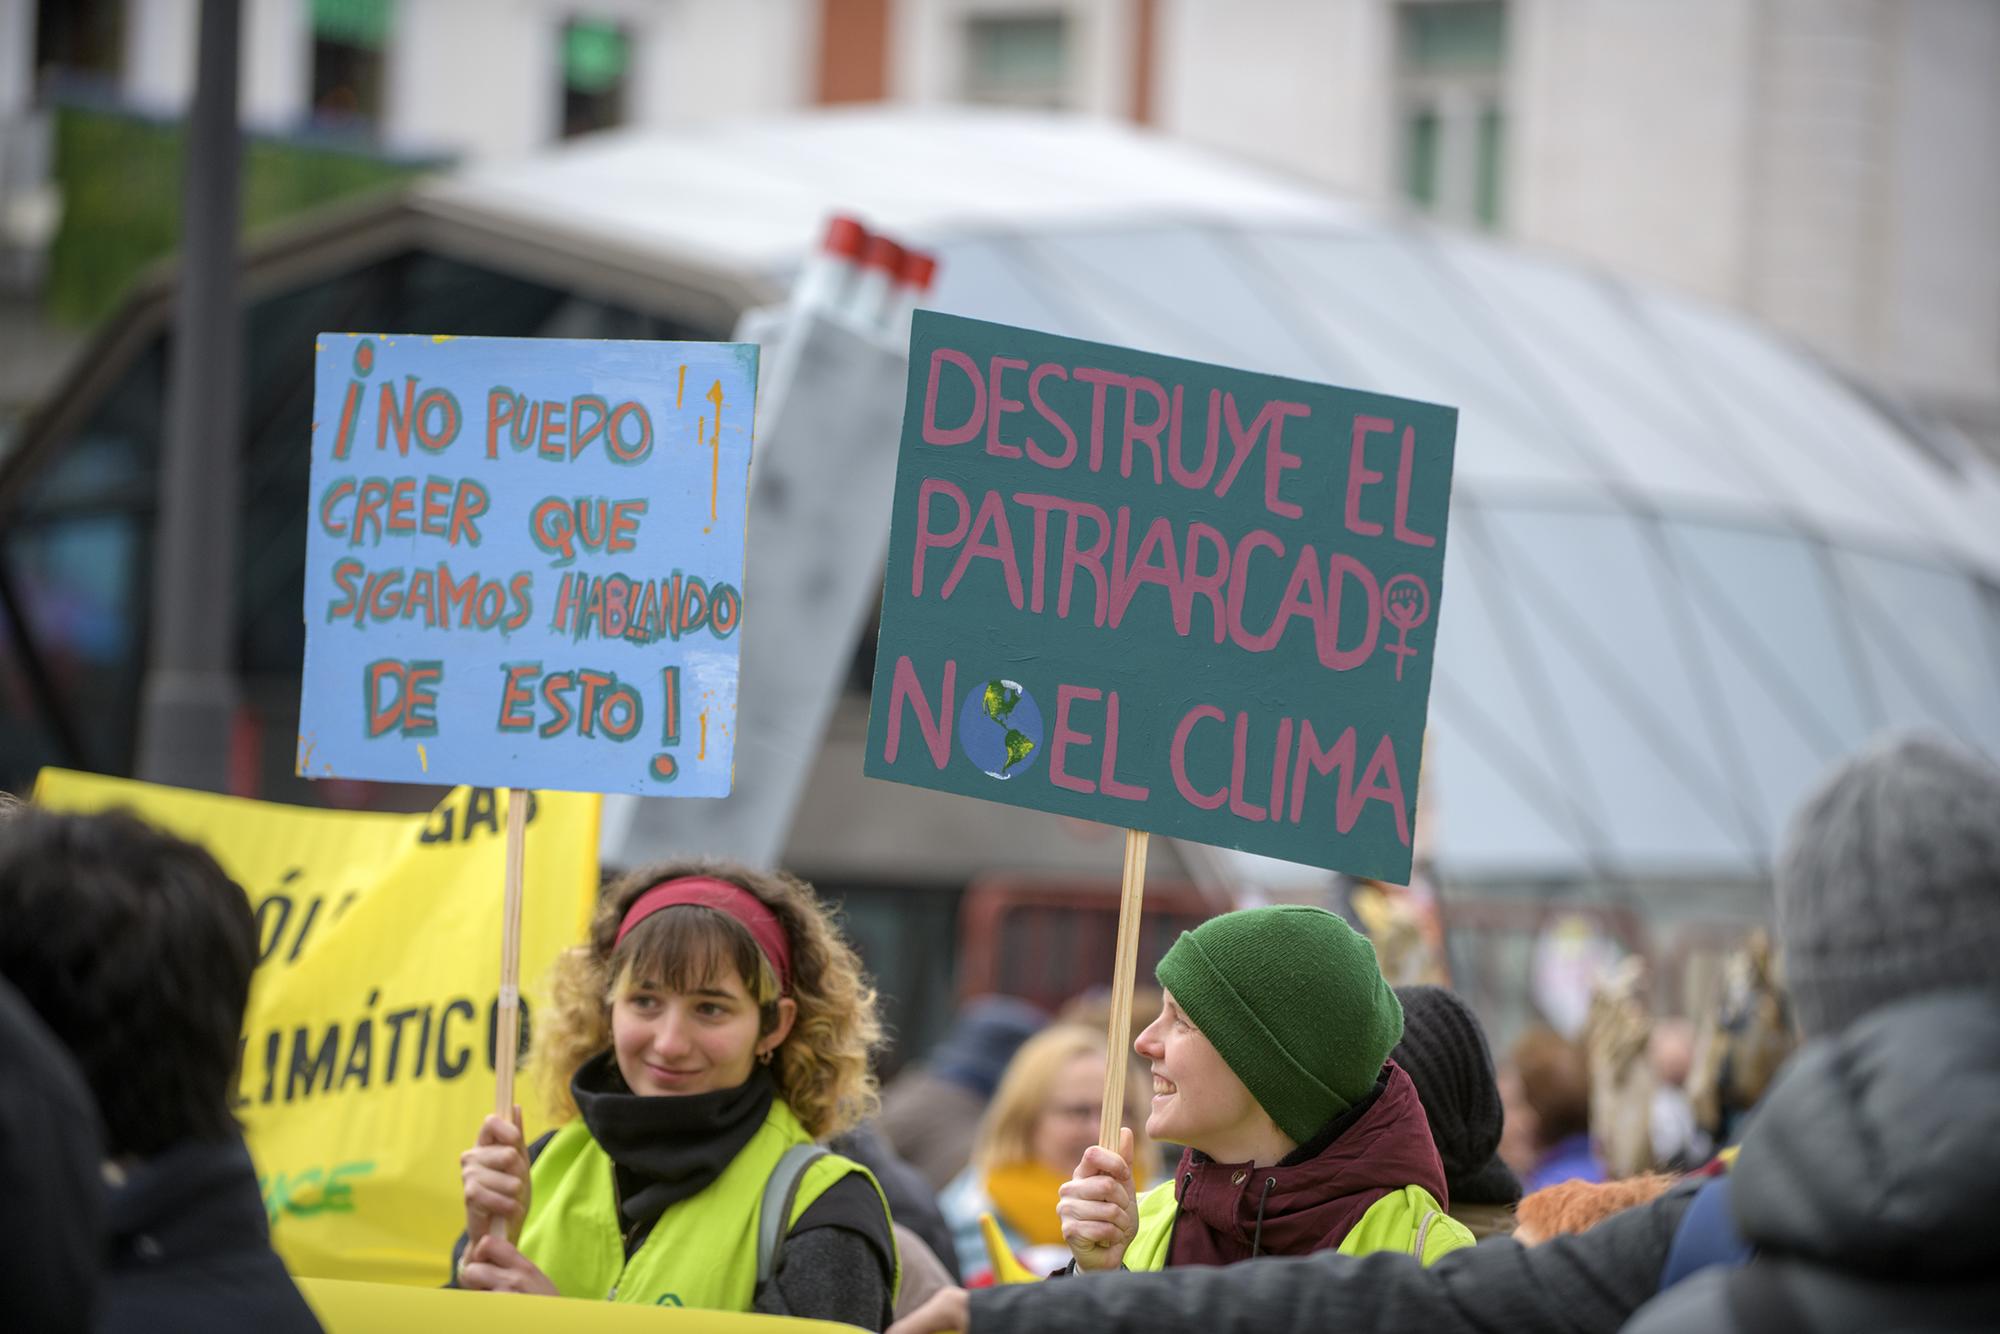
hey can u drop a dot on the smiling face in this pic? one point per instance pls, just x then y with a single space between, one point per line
683 1019
1197 1099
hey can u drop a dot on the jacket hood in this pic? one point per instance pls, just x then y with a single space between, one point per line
1879 1150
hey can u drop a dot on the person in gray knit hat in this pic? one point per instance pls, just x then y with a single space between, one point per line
1868 1167
1889 885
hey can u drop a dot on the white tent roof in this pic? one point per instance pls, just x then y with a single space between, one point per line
1689 565
752 196
1570 383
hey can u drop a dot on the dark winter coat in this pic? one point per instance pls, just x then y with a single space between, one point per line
191 1250
51 1224
1587 1284
1866 1182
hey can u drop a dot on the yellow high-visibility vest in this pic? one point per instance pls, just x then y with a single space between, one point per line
1409 1220
702 1252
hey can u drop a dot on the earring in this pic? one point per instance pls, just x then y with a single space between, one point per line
764 1058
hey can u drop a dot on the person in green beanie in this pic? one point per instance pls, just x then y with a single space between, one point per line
1270 1064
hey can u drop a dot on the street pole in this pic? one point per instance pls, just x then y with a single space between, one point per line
189 700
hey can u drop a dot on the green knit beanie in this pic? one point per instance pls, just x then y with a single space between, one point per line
1294 1001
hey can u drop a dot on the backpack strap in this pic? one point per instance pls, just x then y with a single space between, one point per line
775 1215
1707 1235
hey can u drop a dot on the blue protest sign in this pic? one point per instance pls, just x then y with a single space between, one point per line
524 562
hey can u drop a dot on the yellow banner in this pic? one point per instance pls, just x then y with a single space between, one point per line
368 1046
372 1308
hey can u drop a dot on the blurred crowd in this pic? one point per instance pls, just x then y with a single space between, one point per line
1813 1148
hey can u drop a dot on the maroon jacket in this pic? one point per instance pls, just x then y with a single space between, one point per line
1311 1199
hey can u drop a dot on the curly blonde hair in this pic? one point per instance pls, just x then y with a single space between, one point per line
822 1067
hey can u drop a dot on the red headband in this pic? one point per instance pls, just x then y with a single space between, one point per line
732 901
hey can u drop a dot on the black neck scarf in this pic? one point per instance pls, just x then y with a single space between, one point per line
666 1148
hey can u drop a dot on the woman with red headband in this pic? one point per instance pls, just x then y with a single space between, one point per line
714 1028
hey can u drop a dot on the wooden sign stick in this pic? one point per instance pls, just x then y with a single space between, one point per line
508 1040
1118 1041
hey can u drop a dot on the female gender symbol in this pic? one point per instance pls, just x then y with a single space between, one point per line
1406 604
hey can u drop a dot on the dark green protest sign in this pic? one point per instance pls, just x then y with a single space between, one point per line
1162 595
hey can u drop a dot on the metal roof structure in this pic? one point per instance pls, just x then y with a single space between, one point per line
1689 565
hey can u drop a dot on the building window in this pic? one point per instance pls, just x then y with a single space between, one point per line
79 39
595 58
1017 60
1420 157
349 37
1450 88
1486 185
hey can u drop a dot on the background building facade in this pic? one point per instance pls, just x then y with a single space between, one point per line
1829 167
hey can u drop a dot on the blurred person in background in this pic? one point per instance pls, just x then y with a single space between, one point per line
1863 1188
713 1022
1270 1063
136 950
1042 1118
912 1202
1745 1035
1403 924
1445 1054
1546 1087
931 1111
1678 1142
1616 1031
1092 1009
